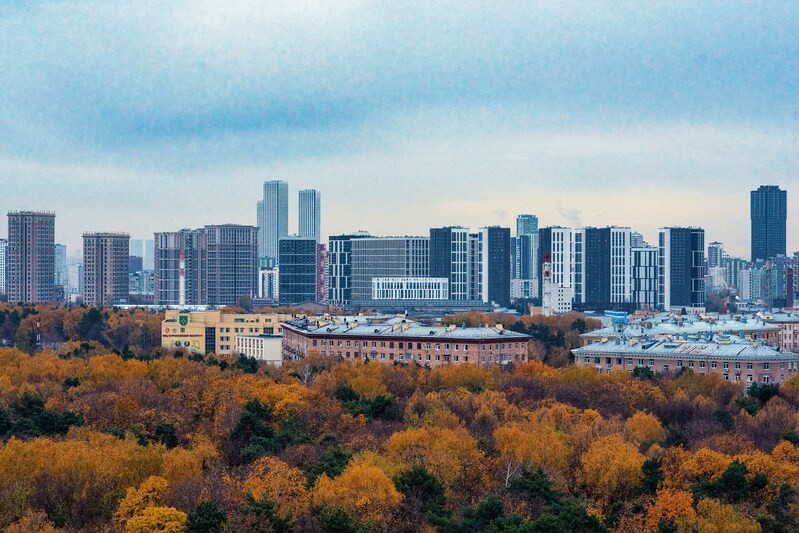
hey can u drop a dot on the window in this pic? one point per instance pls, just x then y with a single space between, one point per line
701 364
713 364
690 364
765 366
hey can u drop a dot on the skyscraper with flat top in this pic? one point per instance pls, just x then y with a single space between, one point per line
310 214
273 218
105 268
31 257
768 212
681 268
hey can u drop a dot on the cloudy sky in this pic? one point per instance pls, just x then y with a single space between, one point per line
152 116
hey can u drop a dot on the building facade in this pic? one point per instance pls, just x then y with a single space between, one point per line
557 244
179 275
298 258
644 277
387 257
339 268
30 269
215 332
3 262
410 289
105 268
494 266
603 270
526 225
681 268
310 213
273 218
741 362
269 284
768 214
449 259
399 340
232 258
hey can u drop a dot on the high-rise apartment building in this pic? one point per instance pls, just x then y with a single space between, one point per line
644 277
387 257
298 258
3 262
681 269
715 253
526 225
558 244
60 265
231 252
31 257
449 258
494 270
179 275
602 270
310 211
273 218
339 267
524 254
768 212
105 268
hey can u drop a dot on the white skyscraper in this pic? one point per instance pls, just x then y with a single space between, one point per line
273 218
310 214
3 260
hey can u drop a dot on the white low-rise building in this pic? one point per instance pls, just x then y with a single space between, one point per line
268 348
410 288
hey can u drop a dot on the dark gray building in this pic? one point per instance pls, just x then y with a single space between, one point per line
339 268
681 268
768 212
495 265
106 258
231 262
298 258
30 269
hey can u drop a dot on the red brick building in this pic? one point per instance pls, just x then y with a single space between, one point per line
388 340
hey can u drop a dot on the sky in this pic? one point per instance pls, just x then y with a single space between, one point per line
154 116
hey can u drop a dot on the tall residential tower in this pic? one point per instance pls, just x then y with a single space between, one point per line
31 257
768 212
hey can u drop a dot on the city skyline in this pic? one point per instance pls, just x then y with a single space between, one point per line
470 114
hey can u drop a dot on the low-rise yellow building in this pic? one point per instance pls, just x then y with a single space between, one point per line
215 332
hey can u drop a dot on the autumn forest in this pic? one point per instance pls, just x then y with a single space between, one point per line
102 430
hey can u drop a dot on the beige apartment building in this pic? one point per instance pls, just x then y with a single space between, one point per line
215 332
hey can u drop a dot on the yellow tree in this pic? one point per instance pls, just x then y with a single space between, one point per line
644 428
451 454
136 500
717 517
611 468
362 489
537 445
674 507
286 486
157 520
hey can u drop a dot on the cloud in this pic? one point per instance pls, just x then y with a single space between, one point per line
149 115
572 216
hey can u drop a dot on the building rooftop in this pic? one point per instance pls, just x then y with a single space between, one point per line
780 317
712 346
362 326
668 324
